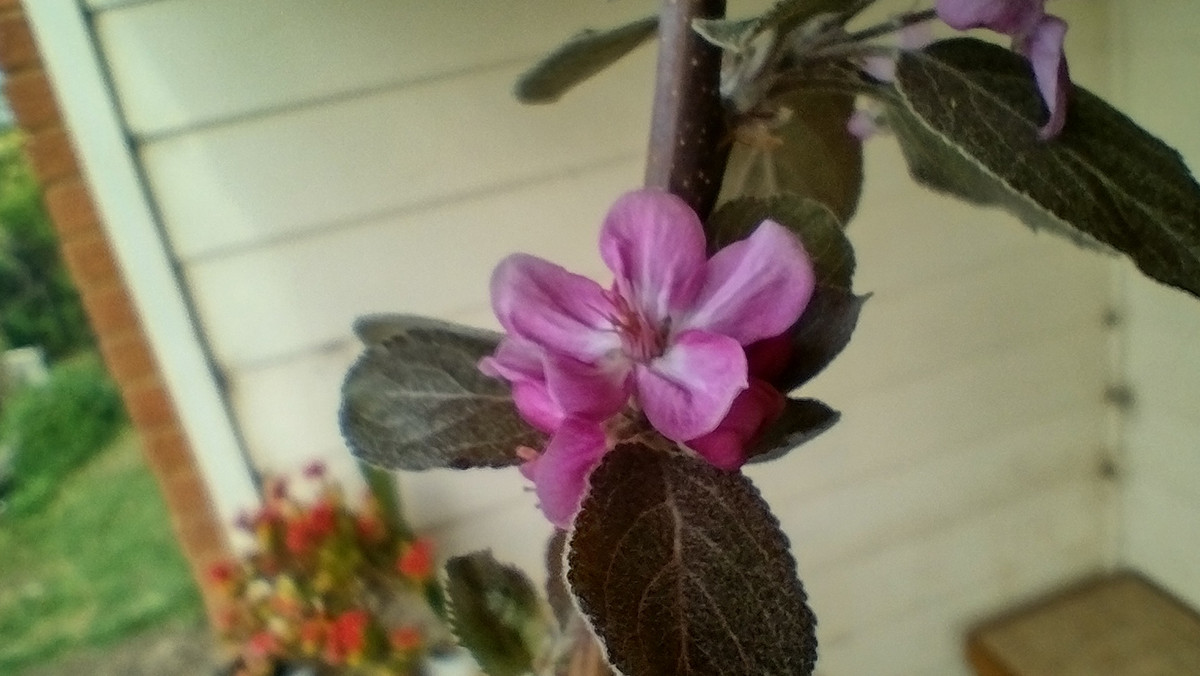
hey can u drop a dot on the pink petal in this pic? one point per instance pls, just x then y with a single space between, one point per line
882 68
756 288
862 124
654 244
560 474
559 311
1009 17
915 36
689 389
536 406
514 360
754 408
521 364
589 392
1044 48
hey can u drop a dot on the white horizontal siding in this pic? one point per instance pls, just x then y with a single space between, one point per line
434 262
181 64
263 180
1159 51
1161 537
906 610
838 526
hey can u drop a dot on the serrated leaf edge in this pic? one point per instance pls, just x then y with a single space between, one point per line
1065 226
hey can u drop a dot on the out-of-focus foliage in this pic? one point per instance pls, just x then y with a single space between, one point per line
54 428
38 304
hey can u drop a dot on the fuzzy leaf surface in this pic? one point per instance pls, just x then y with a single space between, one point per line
495 613
682 570
783 16
557 592
579 58
801 421
415 398
967 122
810 154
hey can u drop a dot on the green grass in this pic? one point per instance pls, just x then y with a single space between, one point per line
97 564
56 427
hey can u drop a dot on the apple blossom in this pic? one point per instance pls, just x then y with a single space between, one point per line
668 337
1036 35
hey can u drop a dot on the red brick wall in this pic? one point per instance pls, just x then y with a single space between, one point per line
89 257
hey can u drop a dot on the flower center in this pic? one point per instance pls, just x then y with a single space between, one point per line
641 338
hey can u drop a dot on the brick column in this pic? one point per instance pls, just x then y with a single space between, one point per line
85 247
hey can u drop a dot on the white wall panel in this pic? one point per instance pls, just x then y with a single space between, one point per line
945 410
1165 452
1162 538
858 518
1154 74
905 611
266 179
178 64
264 304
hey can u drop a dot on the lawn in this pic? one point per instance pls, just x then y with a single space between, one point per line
96 565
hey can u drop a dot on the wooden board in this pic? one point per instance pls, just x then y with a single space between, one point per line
1119 626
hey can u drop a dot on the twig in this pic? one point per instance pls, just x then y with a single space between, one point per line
687 151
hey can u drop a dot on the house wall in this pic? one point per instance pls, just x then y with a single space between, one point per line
1160 496
310 161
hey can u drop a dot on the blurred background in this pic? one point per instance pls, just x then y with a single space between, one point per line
1017 413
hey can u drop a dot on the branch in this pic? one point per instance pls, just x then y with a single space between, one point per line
688 144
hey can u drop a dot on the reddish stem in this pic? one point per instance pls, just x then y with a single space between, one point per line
688 144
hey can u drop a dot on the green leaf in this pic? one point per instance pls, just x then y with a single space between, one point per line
415 399
682 570
579 58
730 35
820 334
967 123
802 421
782 17
809 153
788 14
495 613
385 490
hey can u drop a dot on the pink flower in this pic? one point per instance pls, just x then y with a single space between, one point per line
669 334
1036 35
754 408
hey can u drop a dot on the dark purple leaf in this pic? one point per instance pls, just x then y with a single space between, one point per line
801 421
682 570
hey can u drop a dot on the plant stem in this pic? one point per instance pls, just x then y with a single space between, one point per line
688 148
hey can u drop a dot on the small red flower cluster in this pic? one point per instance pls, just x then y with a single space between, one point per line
328 584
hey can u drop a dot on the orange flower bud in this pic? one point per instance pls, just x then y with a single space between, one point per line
406 638
416 560
222 573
